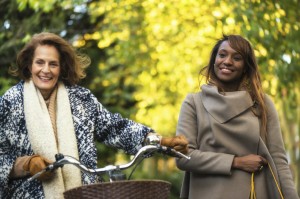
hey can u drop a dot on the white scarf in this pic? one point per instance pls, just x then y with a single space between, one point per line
42 138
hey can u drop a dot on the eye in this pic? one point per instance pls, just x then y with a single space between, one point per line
238 58
39 62
54 64
222 55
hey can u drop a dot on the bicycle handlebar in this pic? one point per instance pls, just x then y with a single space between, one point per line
147 150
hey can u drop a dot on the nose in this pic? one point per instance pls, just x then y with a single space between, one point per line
46 68
228 60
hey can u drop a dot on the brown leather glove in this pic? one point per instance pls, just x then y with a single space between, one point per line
35 164
179 143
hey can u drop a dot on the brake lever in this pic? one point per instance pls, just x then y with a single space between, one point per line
48 168
172 152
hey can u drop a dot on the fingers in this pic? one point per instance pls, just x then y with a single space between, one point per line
46 161
181 149
179 143
174 141
250 163
179 140
46 176
182 140
26 165
36 164
263 161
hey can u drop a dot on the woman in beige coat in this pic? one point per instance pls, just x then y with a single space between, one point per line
233 132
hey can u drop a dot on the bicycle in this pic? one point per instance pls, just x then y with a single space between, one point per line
118 186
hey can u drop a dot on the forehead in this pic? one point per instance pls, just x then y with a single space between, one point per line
46 51
225 46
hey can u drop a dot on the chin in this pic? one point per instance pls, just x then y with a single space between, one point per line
45 87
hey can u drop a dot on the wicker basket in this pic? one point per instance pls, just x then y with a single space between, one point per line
130 189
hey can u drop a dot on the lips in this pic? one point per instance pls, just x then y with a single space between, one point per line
45 78
226 69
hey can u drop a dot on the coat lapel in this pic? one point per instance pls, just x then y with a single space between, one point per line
216 103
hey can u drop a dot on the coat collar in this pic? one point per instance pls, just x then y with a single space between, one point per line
223 107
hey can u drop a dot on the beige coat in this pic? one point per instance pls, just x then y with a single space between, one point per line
219 127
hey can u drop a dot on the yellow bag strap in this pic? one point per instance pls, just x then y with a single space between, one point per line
252 191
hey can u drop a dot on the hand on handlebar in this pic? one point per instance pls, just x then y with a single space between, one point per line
37 163
179 143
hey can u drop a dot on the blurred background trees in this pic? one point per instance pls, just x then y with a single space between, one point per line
146 56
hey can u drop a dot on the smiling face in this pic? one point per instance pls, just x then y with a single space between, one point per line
45 69
229 67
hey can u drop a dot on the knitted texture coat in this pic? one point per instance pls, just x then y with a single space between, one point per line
91 122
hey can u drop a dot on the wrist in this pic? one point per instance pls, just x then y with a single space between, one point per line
235 163
17 170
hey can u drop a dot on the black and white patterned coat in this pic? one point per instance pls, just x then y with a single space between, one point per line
91 122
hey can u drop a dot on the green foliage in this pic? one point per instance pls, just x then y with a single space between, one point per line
146 54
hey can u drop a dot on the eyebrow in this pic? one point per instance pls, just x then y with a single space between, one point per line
37 58
234 51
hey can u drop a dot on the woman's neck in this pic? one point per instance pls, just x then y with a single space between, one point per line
227 87
46 94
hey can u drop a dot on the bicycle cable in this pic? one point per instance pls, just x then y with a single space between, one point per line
134 168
